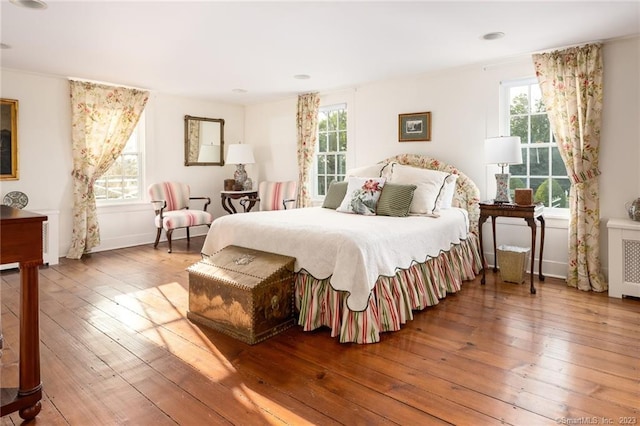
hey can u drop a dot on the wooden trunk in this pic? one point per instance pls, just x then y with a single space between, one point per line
245 293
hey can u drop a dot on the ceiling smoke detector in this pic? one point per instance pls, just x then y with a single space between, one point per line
493 36
30 4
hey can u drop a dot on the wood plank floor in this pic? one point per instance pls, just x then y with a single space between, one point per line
116 348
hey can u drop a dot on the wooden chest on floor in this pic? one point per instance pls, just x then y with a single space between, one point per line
245 293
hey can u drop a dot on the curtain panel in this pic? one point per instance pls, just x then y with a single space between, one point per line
307 123
571 84
102 120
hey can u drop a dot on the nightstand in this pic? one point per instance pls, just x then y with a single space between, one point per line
529 214
227 196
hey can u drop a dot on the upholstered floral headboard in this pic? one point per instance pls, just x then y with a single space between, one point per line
467 194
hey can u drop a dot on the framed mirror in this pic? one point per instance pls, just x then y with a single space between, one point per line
203 141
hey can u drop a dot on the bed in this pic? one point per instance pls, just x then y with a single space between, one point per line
361 275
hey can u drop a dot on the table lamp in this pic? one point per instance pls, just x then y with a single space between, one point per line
503 150
209 154
240 155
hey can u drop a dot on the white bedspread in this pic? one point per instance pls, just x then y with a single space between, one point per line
354 250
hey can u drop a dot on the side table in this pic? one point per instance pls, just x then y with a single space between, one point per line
227 196
529 214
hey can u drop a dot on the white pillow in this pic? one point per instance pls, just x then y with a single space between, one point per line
376 170
427 197
449 191
362 195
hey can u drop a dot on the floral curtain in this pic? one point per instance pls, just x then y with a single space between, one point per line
571 84
102 119
307 122
194 135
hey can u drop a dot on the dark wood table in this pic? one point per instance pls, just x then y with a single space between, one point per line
21 241
227 196
529 214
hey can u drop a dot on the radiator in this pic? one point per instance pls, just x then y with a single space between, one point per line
49 239
624 258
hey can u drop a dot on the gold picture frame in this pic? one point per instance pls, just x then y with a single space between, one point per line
8 139
414 127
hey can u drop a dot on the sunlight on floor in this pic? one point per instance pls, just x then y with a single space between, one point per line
159 314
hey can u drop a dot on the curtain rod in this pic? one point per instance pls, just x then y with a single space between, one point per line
107 83
553 49
519 57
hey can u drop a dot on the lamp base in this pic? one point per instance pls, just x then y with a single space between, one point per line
240 176
502 188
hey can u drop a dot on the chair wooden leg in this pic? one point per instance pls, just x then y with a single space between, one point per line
169 232
157 238
188 240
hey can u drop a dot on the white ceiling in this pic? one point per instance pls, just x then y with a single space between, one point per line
208 48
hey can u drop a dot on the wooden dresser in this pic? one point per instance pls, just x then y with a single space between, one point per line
21 241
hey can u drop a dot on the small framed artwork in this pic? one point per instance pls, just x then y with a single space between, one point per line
414 127
8 139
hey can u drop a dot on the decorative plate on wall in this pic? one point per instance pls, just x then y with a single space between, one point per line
16 199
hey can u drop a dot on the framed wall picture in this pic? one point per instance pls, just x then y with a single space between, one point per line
414 127
8 139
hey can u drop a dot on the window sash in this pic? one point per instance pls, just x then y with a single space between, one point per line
123 181
542 165
330 158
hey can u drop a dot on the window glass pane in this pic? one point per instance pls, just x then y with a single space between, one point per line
519 100
331 164
333 120
516 182
342 141
540 188
321 165
322 121
539 162
561 192
537 103
342 164
322 142
557 165
132 143
540 128
342 124
322 185
520 127
130 165
333 142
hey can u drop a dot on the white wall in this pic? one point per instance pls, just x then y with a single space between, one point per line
44 144
464 103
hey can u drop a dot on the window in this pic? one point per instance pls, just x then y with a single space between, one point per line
331 149
542 168
123 180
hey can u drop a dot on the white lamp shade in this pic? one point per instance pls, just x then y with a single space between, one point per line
209 154
240 154
503 150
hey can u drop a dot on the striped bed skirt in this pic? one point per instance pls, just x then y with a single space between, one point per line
392 300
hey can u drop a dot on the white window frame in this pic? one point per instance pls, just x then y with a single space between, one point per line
139 134
313 176
505 115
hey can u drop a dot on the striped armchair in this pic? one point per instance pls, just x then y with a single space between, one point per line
171 204
274 196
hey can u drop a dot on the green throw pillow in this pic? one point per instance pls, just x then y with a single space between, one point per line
335 194
395 199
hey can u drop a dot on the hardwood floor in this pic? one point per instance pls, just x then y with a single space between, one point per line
117 349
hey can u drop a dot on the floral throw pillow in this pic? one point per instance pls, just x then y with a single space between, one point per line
362 196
